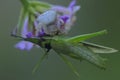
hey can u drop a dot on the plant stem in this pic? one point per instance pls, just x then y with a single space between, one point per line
25 3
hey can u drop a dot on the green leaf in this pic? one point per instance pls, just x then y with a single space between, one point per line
83 37
98 48
69 64
40 3
22 17
40 6
25 4
31 21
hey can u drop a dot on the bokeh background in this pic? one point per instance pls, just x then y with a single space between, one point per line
94 15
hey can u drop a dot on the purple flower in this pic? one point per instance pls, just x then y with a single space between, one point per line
57 20
64 18
25 45
72 4
68 15
39 32
71 9
29 34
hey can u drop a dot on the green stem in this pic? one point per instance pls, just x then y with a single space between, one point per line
25 3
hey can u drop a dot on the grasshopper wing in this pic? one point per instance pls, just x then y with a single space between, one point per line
98 48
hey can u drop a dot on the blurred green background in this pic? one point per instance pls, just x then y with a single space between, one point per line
94 15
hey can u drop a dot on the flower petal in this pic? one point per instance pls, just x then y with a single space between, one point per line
64 18
29 34
29 46
24 45
75 9
61 9
20 45
72 4
25 28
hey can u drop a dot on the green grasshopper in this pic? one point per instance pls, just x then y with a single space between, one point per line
74 47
